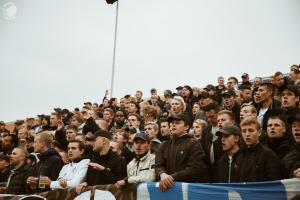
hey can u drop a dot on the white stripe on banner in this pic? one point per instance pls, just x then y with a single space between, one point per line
292 187
185 191
142 191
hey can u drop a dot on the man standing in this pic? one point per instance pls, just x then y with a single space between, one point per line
225 167
231 105
151 128
266 103
290 164
256 162
181 158
19 173
141 168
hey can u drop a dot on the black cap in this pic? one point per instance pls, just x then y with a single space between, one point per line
181 116
292 88
4 157
179 88
293 118
228 93
209 87
142 135
229 130
101 133
2 123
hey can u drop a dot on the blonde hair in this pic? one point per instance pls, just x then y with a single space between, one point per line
46 137
180 99
155 125
249 121
201 122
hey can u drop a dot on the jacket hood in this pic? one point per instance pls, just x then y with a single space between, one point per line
50 152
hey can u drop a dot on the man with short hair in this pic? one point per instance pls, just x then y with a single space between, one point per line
50 162
220 88
164 130
290 99
266 103
71 132
232 83
108 116
151 128
74 173
247 111
278 79
139 96
9 142
246 94
134 121
142 167
132 108
256 162
119 121
106 166
209 137
257 82
16 183
277 139
181 158
225 167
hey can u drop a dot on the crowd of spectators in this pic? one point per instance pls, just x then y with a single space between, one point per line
241 131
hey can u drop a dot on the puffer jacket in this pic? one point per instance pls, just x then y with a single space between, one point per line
183 159
141 170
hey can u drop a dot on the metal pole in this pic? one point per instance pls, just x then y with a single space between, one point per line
114 53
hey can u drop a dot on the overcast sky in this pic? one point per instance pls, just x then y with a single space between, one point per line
58 53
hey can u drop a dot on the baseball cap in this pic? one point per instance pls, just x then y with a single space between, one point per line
141 135
101 133
181 116
292 88
228 93
229 130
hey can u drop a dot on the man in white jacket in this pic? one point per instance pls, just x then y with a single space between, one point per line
74 173
141 168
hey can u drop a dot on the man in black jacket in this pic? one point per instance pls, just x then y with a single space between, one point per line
290 164
266 104
181 158
277 139
20 172
50 162
225 167
106 167
256 162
